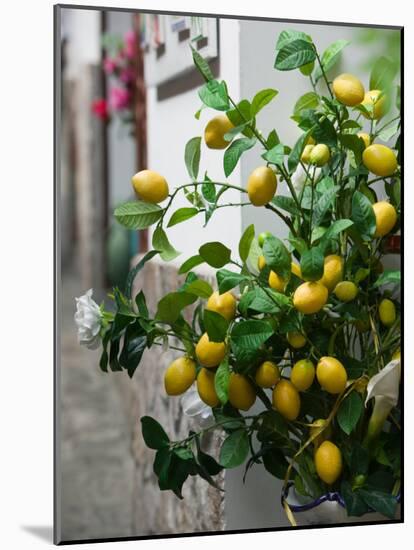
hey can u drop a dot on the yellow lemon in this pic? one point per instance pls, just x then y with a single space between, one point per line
380 160
320 154
206 389
396 355
346 291
376 105
331 375
385 216
348 89
215 131
325 434
295 269
286 400
303 374
387 313
179 376
241 392
365 138
261 262
210 354
150 186
296 339
225 304
333 268
305 157
310 141
261 185
328 462
267 374
276 282
310 297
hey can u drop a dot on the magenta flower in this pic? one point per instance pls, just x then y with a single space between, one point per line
130 43
127 75
119 98
109 65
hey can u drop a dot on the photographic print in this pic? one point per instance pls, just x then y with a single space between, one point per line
228 255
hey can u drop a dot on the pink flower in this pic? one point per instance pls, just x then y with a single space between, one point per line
99 108
127 75
109 65
119 98
130 44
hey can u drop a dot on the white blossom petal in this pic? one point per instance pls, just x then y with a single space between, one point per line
386 384
88 319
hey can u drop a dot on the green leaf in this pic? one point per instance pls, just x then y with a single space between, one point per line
202 65
298 244
181 215
267 301
251 334
275 462
246 242
135 270
330 57
215 254
323 204
355 505
261 99
311 264
135 342
161 243
287 204
171 305
214 95
382 74
221 381
389 277
294 55
208 189
297 150
309 100
272 139
234 152
192 157
350 412
227 280
235 449
334 230
387 133
241 114
363 216
275 155
138 214
354 143
277 256
216 326
290 35
383 503
200 288
190 263
351 125
153 433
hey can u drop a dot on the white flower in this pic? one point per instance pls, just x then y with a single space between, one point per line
384 388
88 320
300 176
195 408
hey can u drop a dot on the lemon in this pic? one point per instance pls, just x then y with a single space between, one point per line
296 339
346 291
206 389
295 269
325 434
215 131
396 355
320 154
303 374
365 138
286 399
263 236
328 462
261 262
210 354
385 217
240 391
380 160
331 375
276 282
310 297
348 89
372 98
305 157
267 374
387 313
261 185
224 304
179 376
150 186
310 141
333 268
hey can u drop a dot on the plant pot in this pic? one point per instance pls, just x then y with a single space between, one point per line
328 509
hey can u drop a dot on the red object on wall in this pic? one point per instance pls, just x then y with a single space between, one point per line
392 244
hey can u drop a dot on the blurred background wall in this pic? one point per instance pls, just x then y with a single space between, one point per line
107 486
